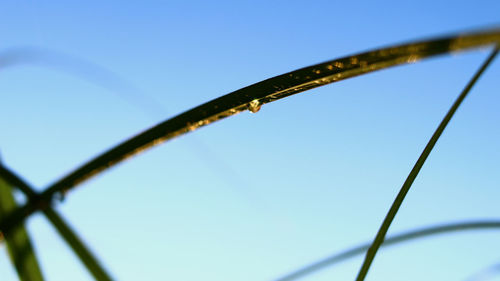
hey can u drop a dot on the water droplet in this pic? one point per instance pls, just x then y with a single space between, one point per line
60 196
254 106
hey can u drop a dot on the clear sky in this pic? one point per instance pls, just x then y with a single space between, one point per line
256 195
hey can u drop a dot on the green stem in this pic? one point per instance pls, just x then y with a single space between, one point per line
69 236
397 239
252 97
379 238
18 241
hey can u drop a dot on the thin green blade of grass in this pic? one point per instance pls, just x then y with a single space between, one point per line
18 242
252 98
69 236
85 256
394 240
111 81
379 238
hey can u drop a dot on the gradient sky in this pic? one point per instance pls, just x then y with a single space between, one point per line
256 195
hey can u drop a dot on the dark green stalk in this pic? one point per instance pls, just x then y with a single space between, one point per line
83 253
78 247
379 238
18 241
397 239
251 98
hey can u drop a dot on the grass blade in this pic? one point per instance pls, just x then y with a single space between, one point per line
69 236
18 242
379 238
396 239
251 98
86 257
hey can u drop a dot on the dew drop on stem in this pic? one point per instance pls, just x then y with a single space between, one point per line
254 106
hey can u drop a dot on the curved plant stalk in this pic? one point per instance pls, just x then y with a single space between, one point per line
111 81
18 242
252 98
379 238
78 247
83 253
396 239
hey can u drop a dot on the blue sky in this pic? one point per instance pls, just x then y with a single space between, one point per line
257 195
